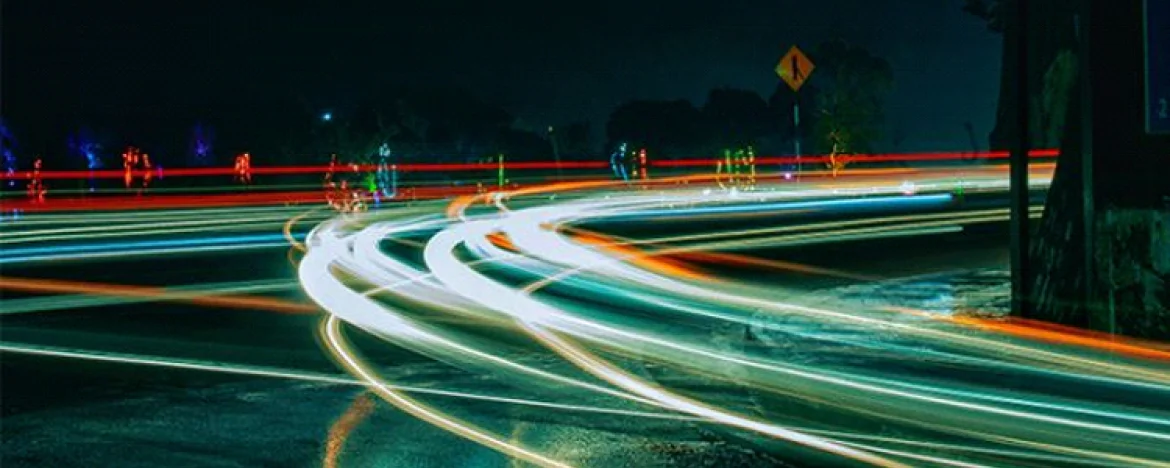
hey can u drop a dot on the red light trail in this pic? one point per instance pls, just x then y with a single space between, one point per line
531 165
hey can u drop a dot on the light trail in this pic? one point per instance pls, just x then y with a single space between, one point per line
526 312
211 297
589 363
332 333
534 236
152 252
141 248
122 231
529 254
424 190
73 219
536 262
361 408
522 165
1045 332
306 376
41 227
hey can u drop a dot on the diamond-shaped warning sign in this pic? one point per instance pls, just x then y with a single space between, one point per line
795 68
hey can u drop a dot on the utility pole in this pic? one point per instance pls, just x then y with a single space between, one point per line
794 68
1085 66
796 131
1018 192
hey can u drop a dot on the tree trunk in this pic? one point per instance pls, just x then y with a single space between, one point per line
1058 278
1112 276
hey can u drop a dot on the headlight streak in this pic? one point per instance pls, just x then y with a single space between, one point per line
513 255
140 248
810 227
367 314
75 218
440 262
306 376
941 355
871 233
143 252
143 229
587 362
315 290
516 235
397 400
453 286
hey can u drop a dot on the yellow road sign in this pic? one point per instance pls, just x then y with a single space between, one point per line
795 68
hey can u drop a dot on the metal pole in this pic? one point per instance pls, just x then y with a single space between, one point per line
1088 209
796 131
1020 242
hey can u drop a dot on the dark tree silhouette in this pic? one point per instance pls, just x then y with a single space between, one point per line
522 145
735 118
668 128
422 124
575 140
452 122
850 109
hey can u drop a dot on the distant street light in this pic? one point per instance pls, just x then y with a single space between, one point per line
327 116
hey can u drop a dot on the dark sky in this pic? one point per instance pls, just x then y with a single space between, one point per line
131 67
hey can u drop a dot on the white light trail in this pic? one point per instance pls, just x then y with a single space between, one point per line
449 283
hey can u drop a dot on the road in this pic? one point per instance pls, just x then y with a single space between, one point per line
581 324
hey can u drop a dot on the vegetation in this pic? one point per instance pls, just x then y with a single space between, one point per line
842 114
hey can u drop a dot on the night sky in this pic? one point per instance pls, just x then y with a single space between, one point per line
149 69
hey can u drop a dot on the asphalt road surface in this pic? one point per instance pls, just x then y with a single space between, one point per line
582 325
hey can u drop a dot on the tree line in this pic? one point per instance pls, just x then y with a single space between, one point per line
842 107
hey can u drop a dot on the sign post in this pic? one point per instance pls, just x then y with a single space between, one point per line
794 69
1157 32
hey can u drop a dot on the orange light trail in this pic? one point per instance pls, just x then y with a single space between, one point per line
642 259
154 292
1053 333
731 259
358 411
502 241
682 258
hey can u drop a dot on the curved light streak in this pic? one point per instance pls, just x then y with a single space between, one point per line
473 259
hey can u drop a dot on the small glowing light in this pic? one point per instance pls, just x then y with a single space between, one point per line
328 116
787 176
908 188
